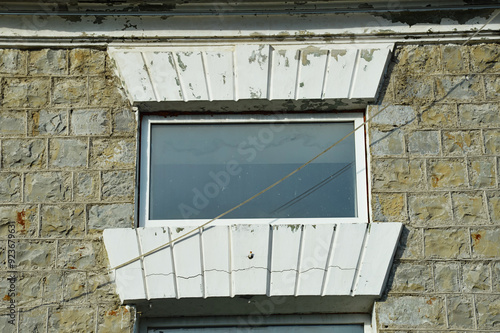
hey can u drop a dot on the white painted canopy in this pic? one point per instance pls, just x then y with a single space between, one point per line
343 259
252 72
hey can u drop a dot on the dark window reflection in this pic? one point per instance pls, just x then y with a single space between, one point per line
200 171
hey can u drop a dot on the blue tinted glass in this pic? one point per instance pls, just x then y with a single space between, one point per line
270 329
199 171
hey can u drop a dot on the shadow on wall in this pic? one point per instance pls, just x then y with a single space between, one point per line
454 90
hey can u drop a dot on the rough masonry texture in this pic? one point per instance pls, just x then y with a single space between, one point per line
435 167
67 138
68 152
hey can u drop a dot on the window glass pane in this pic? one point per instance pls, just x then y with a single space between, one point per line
202 170
270 329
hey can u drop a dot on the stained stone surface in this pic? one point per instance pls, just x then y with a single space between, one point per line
68 165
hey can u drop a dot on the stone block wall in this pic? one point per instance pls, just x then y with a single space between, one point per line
435 159
67 169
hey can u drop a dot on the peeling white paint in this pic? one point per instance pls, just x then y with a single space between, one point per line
252 72
256 259
332 26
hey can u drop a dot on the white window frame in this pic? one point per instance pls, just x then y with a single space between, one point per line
294 319
360 155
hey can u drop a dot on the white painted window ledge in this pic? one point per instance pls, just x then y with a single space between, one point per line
337 259
252 72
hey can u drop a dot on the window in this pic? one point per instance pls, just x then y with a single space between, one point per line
197 167
340 323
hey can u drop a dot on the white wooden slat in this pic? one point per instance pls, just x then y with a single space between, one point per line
339 73
225 269
129 279
344 259
313 63
285 255
134 73
370 69
158 267
316 244
252 71
188 265
381 244
250 273
164 76
216 258
284 72
192 75
219 65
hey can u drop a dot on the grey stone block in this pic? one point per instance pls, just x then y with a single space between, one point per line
112 153
48 187
24 217
460 312
77 255
488 312
23 153
469 208
74 288
447 173
124 122
482 173
430 209
10 187
35 254
476 277
90 122
459 143
414 89
86 186
111 216
33 319
485 243
12 123
49 122
68 319
47 61
411 278
87 61
389 207
395 115
455 59
30 92
492 83
62 220
438 115
424 143
68 153
446 277
446 243
479 115
386 143
411 311
492 142
118 185
69 91
458 88
398 174
494 207
12 61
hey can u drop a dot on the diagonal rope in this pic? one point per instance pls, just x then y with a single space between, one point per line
480 29
312 189
156 249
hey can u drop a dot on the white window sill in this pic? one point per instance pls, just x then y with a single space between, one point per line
322 259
